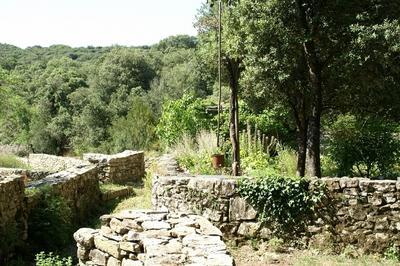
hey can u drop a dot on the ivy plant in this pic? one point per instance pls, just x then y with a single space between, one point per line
284 203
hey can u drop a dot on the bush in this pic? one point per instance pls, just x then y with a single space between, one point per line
51 217
43 259
195 154
368 148
285 203
11 161
184 116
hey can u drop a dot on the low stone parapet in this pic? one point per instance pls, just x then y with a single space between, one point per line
151 238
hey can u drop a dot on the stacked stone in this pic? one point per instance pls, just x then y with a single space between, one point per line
366 213
12 214
120 168
361 212
151 238
214 197
78 186
52 163
28 175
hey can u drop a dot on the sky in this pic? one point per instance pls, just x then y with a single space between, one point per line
94 22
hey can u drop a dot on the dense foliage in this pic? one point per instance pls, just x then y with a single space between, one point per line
364 147
291 70
64 100
286 203
51 217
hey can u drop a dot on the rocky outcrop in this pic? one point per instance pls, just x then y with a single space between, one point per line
361 212
151 238
120 168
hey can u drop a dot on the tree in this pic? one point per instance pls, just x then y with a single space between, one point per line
136 130
232 60
291 47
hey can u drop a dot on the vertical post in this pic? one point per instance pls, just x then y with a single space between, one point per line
219 70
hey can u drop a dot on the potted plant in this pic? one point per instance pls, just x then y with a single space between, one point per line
217 159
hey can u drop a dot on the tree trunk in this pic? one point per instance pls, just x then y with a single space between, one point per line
301 118
314 137
234 73
309 22
302 145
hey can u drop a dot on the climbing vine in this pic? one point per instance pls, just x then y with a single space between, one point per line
285 203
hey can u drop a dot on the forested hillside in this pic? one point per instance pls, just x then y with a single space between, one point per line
68 100
317 83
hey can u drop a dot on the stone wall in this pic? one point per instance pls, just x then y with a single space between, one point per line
361 212
79 186
27 174
52 163
13 225
151 238
120 168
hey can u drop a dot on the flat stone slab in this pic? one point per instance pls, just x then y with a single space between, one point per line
151 238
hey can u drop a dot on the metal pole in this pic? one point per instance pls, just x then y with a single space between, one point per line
219 71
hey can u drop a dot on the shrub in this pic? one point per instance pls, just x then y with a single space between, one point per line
50 259
195 154
184 116
51 217
393 253
286 203
368 148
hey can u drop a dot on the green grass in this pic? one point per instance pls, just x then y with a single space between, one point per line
11 161
309 259
111 187
141 198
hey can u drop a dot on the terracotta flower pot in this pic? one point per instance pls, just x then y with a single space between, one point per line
217 160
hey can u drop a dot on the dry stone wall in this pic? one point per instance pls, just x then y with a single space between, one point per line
121 168
13 223
27 174
52 163
361 212
79 186
152 238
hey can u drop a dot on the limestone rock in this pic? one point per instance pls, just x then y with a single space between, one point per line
182 231
129 262
248 229
98 257
219 260
85 236
129 246
109 246
155 225
240 210
206 228
113 262
118 227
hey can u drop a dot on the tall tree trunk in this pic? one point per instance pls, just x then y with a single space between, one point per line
301 118
308 14
314 134
234 74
